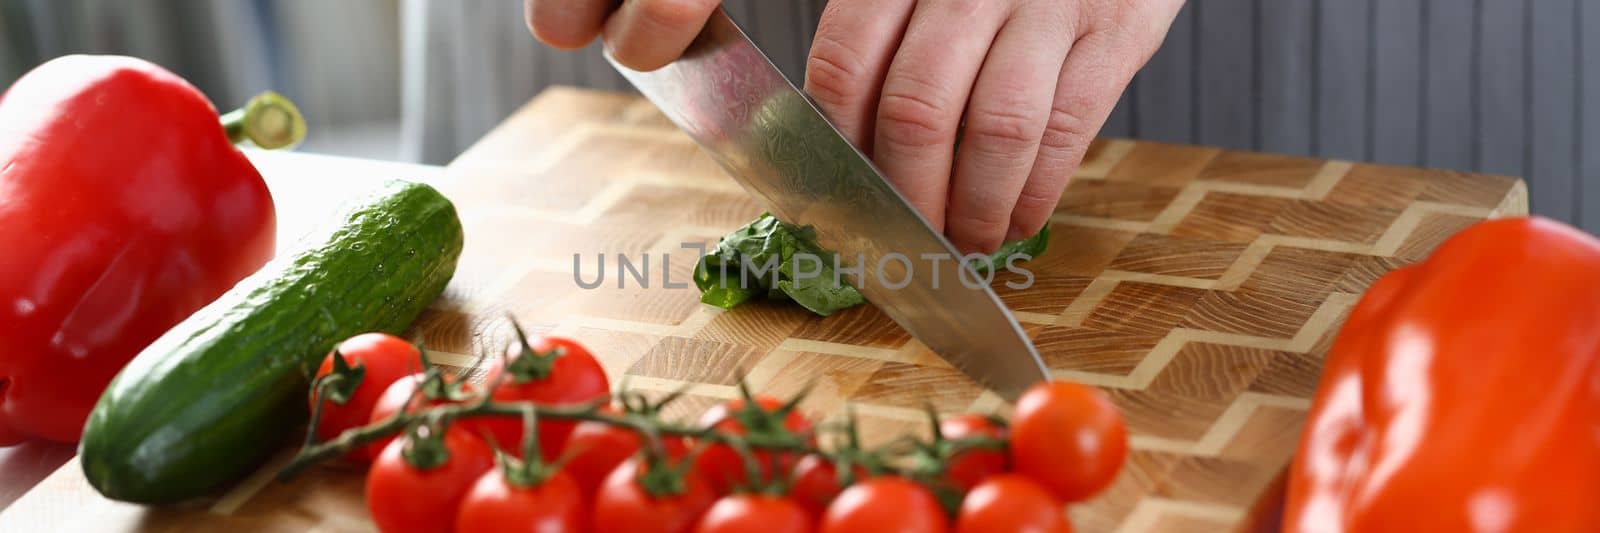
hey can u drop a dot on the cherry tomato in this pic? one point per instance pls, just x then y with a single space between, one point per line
404 498
383 360
495 505
721 464
746 513
969 467
1011 503
816 483
594 449
886 504
1069 438
398 394
574 377
622 505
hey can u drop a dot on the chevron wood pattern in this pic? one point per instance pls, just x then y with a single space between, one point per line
1198 287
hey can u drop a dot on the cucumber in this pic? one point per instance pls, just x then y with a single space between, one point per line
212 399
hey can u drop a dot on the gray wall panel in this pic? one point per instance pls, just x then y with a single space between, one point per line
1396 120
1226 44
1166 85
806 14
1552 97
1447 137
1503 86
778 43
1344 36
1588 184
1501 104
1285 75
1120 123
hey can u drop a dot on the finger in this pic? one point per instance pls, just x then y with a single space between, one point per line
645 35
924 93
850 54
566 24
1005 119
1097 69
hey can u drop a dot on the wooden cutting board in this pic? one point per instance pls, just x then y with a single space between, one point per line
1199 287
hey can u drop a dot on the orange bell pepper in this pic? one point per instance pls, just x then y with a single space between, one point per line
1463 393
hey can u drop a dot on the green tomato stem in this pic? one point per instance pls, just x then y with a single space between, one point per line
905 456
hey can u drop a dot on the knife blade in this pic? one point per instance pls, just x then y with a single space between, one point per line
727 95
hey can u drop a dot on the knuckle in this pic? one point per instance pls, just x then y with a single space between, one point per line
1034 207
1035 199
982 209
912 118
1067 130
909 120
1096 14
1066 18
1138 28
831 69
984 228
1003 129
1051 172
965 7
986 218
827 81
831 14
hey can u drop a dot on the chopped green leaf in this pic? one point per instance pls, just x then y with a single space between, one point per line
781 260
1025 249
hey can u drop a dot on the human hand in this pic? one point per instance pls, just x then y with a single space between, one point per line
642 35
1034 81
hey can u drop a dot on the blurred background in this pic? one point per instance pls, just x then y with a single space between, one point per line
1499 86
339 60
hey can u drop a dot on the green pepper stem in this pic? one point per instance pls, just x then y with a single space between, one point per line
268 121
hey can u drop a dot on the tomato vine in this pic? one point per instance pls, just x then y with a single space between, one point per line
910 457
618 464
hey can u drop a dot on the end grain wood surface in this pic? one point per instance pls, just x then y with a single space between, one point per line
1198 287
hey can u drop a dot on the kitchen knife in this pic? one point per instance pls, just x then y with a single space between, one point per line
735 103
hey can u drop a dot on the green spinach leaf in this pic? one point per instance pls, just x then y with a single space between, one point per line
771 257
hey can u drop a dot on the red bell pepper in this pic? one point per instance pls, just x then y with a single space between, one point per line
124 207
1463 393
